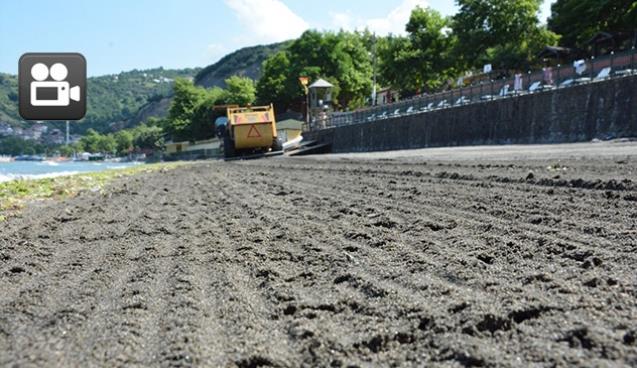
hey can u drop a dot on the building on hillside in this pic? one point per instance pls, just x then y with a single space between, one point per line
17 131
34 132
31 135
386 96
289 129
74 138
5 129
40 128
55 136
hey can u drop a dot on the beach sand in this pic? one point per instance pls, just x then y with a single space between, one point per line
521 258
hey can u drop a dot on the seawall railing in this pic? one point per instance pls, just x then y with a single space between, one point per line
614 65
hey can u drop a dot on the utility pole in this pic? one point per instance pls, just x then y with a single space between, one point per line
304 82
67 133
374 69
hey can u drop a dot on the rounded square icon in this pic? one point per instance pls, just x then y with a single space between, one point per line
52 86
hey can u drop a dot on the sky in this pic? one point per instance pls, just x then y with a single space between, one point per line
120 35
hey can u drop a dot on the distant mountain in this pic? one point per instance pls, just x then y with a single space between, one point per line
115 99
123 100
245 62
112 99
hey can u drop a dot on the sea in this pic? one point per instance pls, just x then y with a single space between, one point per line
48 169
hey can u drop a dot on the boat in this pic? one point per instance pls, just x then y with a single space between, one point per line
4 158
29 158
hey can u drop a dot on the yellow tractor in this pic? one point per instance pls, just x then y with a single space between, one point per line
248 132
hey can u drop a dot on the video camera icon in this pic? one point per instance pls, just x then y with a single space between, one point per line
49 93
52 86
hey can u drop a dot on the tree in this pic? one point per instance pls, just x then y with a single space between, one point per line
66 150
78 146
107 144
95 142
154 121
506 33
578 20
18 146
397 59
124 141
186 99
191 115
202 121
148 138
239 90
90 141
274 86
339 57
421 60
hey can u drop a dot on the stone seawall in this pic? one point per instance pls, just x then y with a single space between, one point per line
602 110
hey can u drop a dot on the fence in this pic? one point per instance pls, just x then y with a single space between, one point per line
609 66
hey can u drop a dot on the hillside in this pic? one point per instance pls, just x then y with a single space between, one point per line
245 62
126 99
112 99
156 108
9 99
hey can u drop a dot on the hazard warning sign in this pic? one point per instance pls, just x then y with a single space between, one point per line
254 132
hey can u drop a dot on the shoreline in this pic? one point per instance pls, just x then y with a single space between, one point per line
16 192
57 169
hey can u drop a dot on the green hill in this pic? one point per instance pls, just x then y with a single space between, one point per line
112 99
245 62
9 99
123 100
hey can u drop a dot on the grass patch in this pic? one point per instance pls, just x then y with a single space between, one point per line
16 193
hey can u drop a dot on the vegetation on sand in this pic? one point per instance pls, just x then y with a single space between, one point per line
16 193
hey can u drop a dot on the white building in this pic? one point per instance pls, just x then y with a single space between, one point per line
5 129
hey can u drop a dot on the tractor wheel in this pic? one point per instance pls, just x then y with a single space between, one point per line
228 147
277 144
